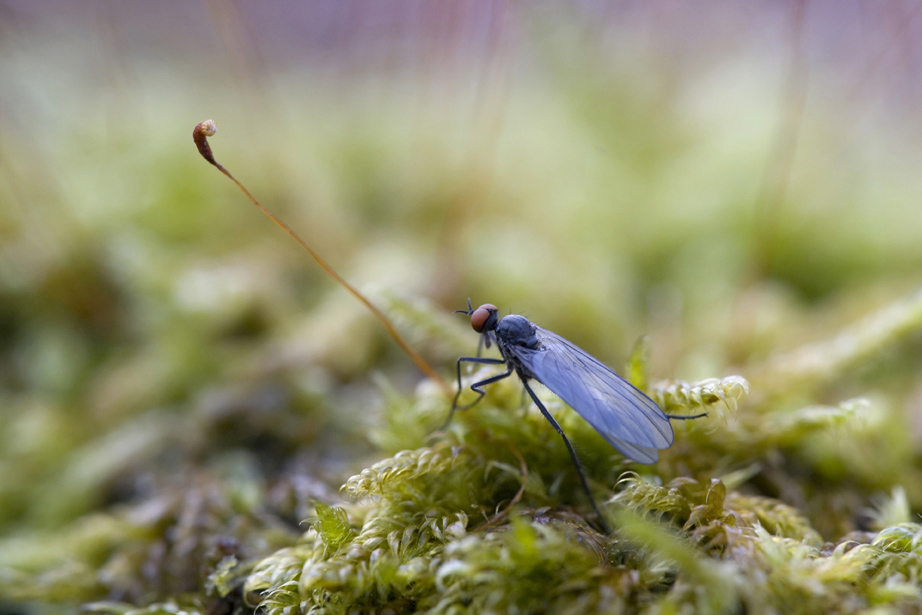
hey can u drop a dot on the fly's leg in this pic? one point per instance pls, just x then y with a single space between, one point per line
579 466
682 417
477 387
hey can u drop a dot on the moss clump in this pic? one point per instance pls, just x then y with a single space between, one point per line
686 545
487 520
489 516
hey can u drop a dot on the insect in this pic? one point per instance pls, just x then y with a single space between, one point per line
627 419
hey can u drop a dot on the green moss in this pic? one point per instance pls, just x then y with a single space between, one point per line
481 522
489 517
184 397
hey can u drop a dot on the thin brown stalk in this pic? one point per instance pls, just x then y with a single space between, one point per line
208 128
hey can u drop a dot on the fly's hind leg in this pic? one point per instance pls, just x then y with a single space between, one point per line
579 466
685 417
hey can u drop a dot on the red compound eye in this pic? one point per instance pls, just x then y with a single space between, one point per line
480 316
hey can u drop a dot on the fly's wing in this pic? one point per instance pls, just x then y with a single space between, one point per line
629 420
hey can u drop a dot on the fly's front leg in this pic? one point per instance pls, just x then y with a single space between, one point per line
477 386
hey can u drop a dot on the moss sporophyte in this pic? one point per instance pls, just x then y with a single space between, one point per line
209 128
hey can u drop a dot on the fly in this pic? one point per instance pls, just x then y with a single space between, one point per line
627 419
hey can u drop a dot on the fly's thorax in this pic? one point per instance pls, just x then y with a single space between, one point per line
515 330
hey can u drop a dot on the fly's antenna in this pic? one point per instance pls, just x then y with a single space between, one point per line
468 311
207 129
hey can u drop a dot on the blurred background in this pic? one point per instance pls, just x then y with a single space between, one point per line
732 181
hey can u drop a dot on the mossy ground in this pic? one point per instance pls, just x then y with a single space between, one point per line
196 420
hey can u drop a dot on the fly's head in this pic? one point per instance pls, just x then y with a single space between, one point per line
483 320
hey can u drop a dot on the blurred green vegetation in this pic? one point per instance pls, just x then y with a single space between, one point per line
181 388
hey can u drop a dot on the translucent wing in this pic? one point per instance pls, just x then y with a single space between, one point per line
629 420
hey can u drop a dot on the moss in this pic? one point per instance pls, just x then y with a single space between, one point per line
489 518
184 398
481 522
